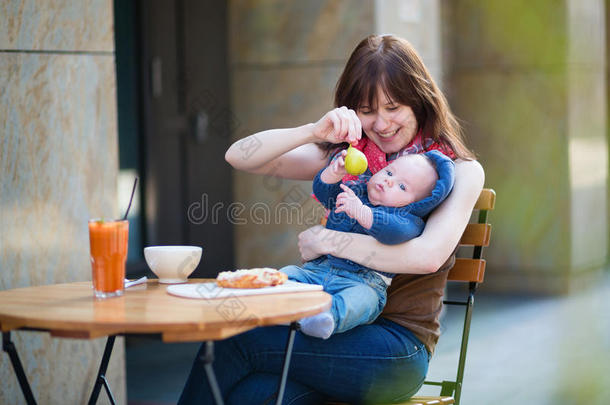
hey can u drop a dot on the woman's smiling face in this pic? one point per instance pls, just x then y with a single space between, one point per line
389 124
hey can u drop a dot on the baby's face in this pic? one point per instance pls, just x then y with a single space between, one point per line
405 180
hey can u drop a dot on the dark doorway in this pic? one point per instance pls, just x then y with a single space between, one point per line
174 128
128 114
186 127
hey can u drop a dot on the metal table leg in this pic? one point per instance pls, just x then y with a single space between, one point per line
9 347
208 359
101 374
286 366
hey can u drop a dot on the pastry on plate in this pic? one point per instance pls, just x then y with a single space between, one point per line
251 278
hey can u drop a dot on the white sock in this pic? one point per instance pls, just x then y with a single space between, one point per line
320 325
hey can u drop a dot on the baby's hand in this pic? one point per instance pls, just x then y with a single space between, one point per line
338 166
348 202
336 170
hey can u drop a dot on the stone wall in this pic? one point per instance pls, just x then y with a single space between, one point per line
285 59
528 81
59 164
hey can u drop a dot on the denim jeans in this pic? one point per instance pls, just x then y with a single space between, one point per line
380 362
358 295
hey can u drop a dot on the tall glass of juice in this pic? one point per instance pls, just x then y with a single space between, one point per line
108 243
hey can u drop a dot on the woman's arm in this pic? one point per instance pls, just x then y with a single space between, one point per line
288 152
291 152
424 254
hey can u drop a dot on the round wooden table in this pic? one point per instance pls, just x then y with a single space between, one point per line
71 310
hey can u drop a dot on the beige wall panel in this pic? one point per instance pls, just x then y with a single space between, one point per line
65 25
511 34
515 124
538 280
278 31
275 212
587 111
58 159
276 98
279 97
588 166
586 25
589 227
529 80
418 21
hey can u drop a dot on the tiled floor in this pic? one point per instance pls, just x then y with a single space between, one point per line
522 350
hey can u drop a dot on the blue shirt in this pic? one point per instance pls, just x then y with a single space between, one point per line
391 225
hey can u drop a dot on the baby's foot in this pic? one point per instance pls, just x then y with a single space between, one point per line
320 325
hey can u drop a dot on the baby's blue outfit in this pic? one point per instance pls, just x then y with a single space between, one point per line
359 292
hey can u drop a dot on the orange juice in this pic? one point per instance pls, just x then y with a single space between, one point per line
108 243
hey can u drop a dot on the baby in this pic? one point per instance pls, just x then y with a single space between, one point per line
391 206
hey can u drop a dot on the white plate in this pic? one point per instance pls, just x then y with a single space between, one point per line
211 290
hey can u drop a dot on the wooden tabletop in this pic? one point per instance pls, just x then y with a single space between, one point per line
71 310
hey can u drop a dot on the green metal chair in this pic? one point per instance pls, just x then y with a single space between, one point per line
465 270
471 271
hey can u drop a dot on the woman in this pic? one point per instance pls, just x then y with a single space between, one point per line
386 95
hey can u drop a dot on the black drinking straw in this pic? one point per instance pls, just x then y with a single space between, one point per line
131 199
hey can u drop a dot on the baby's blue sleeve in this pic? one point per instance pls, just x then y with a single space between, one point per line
326 193
393 228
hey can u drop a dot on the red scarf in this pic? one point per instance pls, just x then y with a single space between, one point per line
377 159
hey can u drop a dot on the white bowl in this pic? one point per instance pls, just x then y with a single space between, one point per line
172 264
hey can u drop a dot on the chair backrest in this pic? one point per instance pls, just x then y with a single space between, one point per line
470 270
476 234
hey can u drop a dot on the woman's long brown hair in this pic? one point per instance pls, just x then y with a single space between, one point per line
393 64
